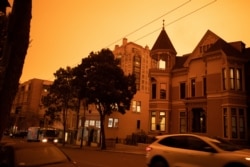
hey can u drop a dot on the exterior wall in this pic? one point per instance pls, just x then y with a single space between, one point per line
27 107
128 121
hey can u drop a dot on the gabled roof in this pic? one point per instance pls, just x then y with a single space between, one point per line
228 49
179 61
163 42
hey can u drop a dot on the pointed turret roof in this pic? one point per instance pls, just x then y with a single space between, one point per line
163 42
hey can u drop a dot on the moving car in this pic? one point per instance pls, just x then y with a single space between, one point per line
22 153
43 134
190 150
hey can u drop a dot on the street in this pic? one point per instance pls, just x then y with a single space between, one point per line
97 158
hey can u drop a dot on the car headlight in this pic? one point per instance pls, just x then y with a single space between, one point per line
247 158
44 140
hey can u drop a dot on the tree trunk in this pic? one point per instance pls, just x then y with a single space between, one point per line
64 124
17 45
102 135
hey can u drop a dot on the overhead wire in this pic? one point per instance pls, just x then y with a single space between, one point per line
180 18
172 22
176 8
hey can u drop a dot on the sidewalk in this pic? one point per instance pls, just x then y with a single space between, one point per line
122 148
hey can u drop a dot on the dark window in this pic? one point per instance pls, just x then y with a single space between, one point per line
154 91
137 70
242 128
138 124
225 119
234 123
183 90
183 122
192 87
204 86
224 78
175 141
198 120
163 92
197 144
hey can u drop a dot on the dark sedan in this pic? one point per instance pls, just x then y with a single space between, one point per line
21 153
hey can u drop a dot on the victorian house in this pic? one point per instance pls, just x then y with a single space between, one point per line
203 92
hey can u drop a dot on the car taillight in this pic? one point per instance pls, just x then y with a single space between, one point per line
148 148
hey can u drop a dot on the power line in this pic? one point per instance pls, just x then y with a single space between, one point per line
180 18
172 22
183 4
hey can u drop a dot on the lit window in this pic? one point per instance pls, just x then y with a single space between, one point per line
92 123
110 122
238 79
98 124
113 122
136 106
162 120
232 84
153 120
86 123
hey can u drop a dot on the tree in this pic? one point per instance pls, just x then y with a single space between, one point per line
61 97
105 85
11 63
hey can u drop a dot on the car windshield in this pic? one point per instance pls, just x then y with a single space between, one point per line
224 144
37 156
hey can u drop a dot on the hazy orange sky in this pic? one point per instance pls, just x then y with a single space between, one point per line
65 31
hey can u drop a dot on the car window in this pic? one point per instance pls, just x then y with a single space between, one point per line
175 141
39 155
197 144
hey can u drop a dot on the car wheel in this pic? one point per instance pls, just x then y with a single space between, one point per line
159 163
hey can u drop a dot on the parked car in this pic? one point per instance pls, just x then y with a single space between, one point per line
190 150
19 134
22 153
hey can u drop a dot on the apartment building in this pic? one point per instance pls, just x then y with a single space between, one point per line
27 109
134 59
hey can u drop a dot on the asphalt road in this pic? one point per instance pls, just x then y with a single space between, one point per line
98 158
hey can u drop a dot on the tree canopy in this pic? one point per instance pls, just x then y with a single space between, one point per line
105 84
61 97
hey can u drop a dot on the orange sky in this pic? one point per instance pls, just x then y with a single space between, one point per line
63 31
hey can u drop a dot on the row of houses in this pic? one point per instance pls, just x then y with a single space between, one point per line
205 92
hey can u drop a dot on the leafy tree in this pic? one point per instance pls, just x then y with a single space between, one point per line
13 56
61 97
105 85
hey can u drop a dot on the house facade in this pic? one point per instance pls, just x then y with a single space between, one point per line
204 92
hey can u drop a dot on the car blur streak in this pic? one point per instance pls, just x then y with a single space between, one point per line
190 150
